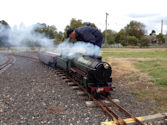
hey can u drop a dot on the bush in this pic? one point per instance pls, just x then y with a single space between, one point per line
161 38
144 42
123 42
132 40
121 37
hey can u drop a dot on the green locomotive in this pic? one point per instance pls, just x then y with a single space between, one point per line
94 75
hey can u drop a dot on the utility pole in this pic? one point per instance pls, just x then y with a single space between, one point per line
161 26
106 31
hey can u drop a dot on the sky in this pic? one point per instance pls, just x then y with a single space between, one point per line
60 12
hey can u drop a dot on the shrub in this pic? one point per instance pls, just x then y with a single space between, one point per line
132 40
144 42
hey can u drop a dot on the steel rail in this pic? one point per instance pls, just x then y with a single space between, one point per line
32 58
9 61
122 109
116 118
96 102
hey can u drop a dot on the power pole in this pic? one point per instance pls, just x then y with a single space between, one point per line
161 26
106 31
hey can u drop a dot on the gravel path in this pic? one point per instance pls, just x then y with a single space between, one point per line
31 94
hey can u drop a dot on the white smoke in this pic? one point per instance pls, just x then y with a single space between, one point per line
22 36
4 32
75 50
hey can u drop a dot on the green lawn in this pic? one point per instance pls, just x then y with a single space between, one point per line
156 66
150 62
135 54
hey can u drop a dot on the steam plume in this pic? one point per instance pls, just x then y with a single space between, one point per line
74 50
22 36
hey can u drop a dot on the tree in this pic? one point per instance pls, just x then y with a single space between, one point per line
74 24
4 22
4 33
110 36
161 38
132 40
121 37
144 42
59 37
48 31
136 29
77 23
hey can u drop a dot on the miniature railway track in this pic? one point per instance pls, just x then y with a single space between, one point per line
6 63
27 57
10 59
157 119
105 108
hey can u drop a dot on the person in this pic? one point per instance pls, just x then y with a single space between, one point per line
86 34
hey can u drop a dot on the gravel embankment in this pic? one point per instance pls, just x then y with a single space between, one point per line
32 94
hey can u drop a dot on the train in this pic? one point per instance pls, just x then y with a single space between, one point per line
92 74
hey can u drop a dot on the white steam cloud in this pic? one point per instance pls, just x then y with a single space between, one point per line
22 36
75 50
4 33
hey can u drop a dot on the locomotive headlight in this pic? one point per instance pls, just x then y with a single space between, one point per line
106 66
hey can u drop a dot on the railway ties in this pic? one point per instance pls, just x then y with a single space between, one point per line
107 105
103 105
100 103
156 119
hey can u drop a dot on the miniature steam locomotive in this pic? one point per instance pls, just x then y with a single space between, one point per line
94 75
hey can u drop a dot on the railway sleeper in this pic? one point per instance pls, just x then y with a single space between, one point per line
156 119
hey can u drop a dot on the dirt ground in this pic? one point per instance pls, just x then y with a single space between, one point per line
138 83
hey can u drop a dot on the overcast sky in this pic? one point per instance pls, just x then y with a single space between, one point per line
60 12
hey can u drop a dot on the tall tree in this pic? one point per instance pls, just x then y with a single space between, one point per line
121 37
136 29
48 31
4 22
59 37
4 33
110 34
74 23
161 38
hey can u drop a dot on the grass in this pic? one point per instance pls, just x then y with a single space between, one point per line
155 68
135 54
140 93
149 82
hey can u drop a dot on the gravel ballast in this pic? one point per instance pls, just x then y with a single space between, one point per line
31 93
